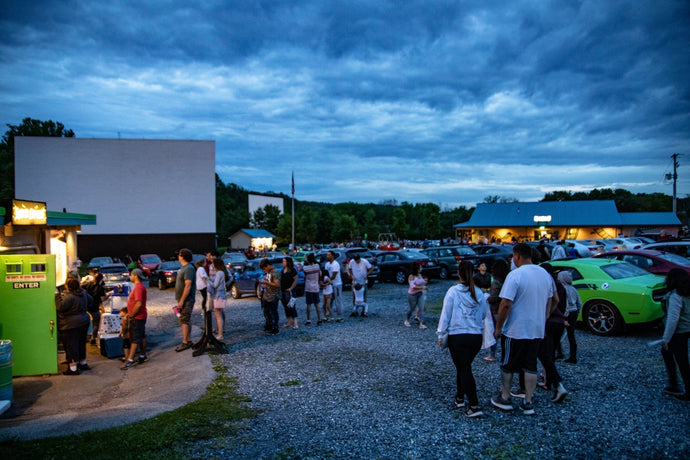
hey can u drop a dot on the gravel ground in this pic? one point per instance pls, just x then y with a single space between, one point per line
372 388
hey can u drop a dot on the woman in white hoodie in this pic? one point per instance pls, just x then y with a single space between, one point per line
462 318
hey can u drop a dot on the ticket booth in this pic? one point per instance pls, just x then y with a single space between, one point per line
37 250
27 311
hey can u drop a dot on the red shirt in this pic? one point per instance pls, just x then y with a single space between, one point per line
137 294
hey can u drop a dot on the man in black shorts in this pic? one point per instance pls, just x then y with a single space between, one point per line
526 296
185 287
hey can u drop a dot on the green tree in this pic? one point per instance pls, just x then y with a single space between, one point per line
344 227
259 219
272 214
399 225
28 127
283 231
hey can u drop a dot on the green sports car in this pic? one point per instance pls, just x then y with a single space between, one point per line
614 293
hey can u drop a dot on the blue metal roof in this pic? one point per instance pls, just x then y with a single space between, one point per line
562 214
257 233
60 219
649 218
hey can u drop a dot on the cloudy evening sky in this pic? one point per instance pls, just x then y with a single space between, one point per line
421 101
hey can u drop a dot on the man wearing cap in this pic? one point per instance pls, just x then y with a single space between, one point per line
136 316
359 269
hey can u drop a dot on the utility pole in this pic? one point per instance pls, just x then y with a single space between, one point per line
675 179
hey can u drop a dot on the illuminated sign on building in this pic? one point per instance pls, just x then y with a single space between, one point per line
29 213
542 218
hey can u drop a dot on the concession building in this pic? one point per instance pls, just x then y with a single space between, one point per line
576 220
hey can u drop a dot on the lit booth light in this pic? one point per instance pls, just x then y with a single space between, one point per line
261 243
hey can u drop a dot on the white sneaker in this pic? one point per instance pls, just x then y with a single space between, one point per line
421 326
407 322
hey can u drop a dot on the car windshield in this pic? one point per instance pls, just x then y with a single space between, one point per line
624 270
676 259
465 251
151 260
114 269
171 265
234 257
415 255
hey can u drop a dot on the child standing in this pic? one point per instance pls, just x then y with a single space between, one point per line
327 297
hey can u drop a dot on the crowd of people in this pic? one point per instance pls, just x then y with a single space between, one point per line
525 309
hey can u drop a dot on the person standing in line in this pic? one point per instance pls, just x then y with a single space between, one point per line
312 275
543 251
218 296
559 251
499 270
288 283
333 269
136 319
674 342
572 310
73 325
271 295
202 281
462 318
327 298
482 279
96 289
185 288
415 294
526 296
359 269
553 331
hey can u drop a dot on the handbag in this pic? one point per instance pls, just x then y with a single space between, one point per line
292 302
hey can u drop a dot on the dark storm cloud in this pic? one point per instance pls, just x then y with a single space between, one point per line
439 101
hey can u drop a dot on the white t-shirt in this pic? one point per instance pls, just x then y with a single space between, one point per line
359 270
529 287
332 267
201 278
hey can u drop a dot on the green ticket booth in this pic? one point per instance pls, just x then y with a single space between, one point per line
27 311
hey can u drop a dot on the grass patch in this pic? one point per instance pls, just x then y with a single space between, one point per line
290 383
215 415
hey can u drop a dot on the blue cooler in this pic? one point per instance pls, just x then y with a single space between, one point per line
6 363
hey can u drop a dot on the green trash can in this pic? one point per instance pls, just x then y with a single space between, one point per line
6 370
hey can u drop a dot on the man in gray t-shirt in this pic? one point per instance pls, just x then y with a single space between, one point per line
185 287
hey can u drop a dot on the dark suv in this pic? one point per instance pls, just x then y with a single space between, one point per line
449 257
343 257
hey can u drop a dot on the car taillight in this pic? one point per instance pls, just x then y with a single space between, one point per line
167 273
458 258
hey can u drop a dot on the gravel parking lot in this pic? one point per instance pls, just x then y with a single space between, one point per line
372 388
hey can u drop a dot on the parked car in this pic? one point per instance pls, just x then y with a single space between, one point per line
343 257
449 257
114 274
651 260
614 293
587 248
624 243
246 280
235 261
396 265
682 248
98 262
165 274
606 246
148 262
197 257
489 253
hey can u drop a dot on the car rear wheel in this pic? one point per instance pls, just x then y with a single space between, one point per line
443 274
161 284
602 318
235 291
400 277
